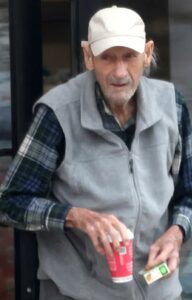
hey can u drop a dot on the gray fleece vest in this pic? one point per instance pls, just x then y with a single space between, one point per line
99 172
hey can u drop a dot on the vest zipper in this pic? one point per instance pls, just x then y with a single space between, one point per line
131 167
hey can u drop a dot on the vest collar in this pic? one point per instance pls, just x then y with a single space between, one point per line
148 112
90 116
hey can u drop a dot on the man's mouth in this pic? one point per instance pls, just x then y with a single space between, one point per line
119 85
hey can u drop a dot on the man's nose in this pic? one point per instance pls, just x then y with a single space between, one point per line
120 70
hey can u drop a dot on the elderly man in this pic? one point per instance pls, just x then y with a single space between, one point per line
103 154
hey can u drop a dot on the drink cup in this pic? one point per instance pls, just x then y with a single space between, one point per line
121 263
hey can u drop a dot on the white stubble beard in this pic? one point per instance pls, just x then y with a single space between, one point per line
115 97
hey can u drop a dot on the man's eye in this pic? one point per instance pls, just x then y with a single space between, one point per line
106 57
130 55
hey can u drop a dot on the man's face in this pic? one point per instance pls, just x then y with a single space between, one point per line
118 71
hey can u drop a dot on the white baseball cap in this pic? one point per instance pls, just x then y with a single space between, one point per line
116 26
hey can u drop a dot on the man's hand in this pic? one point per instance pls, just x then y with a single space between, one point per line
99 227
166 249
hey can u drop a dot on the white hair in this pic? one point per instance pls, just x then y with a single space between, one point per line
153 66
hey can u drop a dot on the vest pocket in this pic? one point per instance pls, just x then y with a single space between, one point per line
97 264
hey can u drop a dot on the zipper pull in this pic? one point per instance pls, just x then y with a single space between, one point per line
131 165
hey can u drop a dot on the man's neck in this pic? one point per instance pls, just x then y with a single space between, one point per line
124 112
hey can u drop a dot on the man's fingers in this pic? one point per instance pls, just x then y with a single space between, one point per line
159 254
153 257
106 244
173 261
102 246
166 249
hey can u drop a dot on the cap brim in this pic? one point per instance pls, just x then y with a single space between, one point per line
135 43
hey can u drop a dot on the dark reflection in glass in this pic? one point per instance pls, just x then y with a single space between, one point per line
5 111
6 234
180 20
56 42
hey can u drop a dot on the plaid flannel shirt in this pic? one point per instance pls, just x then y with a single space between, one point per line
25 199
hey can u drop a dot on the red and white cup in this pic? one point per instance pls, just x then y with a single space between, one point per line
121 263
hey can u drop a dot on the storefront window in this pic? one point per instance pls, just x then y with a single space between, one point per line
6 234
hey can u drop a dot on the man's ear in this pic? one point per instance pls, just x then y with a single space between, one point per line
88 57
149 47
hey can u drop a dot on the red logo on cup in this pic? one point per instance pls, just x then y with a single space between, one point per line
121 263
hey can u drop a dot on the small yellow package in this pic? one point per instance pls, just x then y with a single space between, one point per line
155 273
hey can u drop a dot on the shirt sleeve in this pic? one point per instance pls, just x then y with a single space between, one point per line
24 203
181 203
